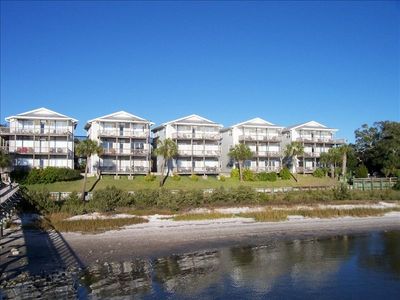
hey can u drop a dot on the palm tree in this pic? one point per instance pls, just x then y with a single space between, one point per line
293 150
331 159
5 161
168 149
86 149
240 153
344 150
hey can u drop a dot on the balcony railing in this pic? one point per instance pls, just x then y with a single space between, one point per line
117 151
202 170
321 140
262 138
36 131
124 170
125 133
199 152
41 150
311 154
197 135
269 153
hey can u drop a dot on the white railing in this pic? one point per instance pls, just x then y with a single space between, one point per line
125 133
37 130
40 150
264 138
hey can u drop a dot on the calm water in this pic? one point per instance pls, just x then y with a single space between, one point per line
343 267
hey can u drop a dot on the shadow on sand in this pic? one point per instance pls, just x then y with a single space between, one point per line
43 264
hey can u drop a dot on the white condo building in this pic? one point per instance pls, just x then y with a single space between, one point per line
316 138
40 138
125 139
264 140
198 141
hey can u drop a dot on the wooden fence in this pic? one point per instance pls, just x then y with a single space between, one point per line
365 184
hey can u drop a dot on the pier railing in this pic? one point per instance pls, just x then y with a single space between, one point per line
374 183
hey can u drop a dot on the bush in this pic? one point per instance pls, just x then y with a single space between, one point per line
264 176
319 173
149 177
46 175
397 185
361 172
108 199
176 177
342 192
41 201
74 205
248 175
221 178
194 177
285 174
235 173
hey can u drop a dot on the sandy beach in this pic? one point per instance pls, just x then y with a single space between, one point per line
162 237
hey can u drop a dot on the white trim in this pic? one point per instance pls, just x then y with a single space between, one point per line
187 123
23 115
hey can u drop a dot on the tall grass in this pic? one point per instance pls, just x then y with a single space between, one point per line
202 216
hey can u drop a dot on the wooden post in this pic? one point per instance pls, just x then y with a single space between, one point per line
363 184
381 184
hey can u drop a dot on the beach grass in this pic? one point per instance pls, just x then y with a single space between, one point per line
202 216
60 222
276 215
185 183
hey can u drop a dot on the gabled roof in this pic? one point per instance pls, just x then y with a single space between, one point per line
312 125
189 120
119 116
256 122
41 113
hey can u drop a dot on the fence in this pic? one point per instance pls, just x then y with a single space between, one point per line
374 183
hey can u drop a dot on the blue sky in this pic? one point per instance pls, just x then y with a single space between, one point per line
288 62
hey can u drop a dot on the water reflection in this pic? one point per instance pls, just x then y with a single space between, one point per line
309 266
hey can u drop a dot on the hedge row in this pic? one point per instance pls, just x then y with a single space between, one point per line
46 175
110 198
249 175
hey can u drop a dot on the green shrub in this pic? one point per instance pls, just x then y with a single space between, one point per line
176 177
235 173
221 178
285 174
248 175
264 176
108 199
145 198
397 185
361 172
319 173
149 177
48 175
194 177
74 205
342 192
41 201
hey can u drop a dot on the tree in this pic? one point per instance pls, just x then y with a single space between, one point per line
168 149
332 159
293 150
240 153
378 147
5 161
86 149
344 150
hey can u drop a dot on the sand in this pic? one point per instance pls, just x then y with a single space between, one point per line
161 237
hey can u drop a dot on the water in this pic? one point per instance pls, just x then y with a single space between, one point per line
342 267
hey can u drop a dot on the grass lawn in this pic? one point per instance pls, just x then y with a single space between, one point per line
184 183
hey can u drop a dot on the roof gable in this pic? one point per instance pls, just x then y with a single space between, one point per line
309 125
42 113
122 116
254 122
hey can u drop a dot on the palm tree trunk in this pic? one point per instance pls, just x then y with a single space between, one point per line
240 171
162 173
344 165
166 176
85 179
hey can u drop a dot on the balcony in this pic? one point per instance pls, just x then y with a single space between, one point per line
199 170
268 154
126 133
260 138
63 131
41 150
194 152
196 136
124 170
321 140
311 154
129 152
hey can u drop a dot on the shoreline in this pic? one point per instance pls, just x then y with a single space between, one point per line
162 237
